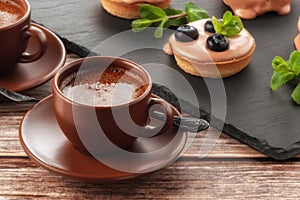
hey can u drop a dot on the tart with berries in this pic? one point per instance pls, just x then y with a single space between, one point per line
214 48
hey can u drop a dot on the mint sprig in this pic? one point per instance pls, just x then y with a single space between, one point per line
164 18
285 71
229 26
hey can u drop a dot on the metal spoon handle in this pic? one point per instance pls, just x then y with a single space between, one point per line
16 96
190 124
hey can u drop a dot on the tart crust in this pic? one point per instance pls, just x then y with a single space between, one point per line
128 11
220 69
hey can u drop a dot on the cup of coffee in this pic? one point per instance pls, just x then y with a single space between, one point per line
106 96
15 31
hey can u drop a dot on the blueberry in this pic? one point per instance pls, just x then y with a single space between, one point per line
186 33
217 42
209 27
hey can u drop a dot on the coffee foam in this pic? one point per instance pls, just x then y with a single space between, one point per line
101 94
114 86
10 13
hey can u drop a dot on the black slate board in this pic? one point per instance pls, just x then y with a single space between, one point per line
256 116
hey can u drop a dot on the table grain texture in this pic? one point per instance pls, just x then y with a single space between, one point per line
231 170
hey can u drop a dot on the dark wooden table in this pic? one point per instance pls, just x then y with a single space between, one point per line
231 170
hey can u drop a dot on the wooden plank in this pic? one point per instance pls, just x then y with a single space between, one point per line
201 179
222 147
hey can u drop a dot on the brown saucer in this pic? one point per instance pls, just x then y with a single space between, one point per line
29 75
44 143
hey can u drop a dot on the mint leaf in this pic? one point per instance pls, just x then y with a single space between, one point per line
296 94
229 26
159 30
295 62
140 24
177 21
227 17
233 31
194 12
279 64
283 67
171 11
151 12
218 26
280 78
277 61
177 17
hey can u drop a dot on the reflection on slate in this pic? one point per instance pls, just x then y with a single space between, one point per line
265 120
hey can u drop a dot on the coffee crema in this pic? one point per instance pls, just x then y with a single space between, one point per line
114 86
10 13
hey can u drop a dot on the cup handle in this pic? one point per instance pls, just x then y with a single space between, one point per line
39 35
151 131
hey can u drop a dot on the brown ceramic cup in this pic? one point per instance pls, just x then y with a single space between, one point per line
14 35
121 123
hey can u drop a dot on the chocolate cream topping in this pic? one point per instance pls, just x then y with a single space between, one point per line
196 51
249 9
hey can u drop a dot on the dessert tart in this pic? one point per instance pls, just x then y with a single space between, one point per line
129 9
199 51
250 9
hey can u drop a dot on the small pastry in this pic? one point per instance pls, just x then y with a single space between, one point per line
250 9
199 51
297 39
129 9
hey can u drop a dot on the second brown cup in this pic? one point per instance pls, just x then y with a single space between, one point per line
106 95
15 31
